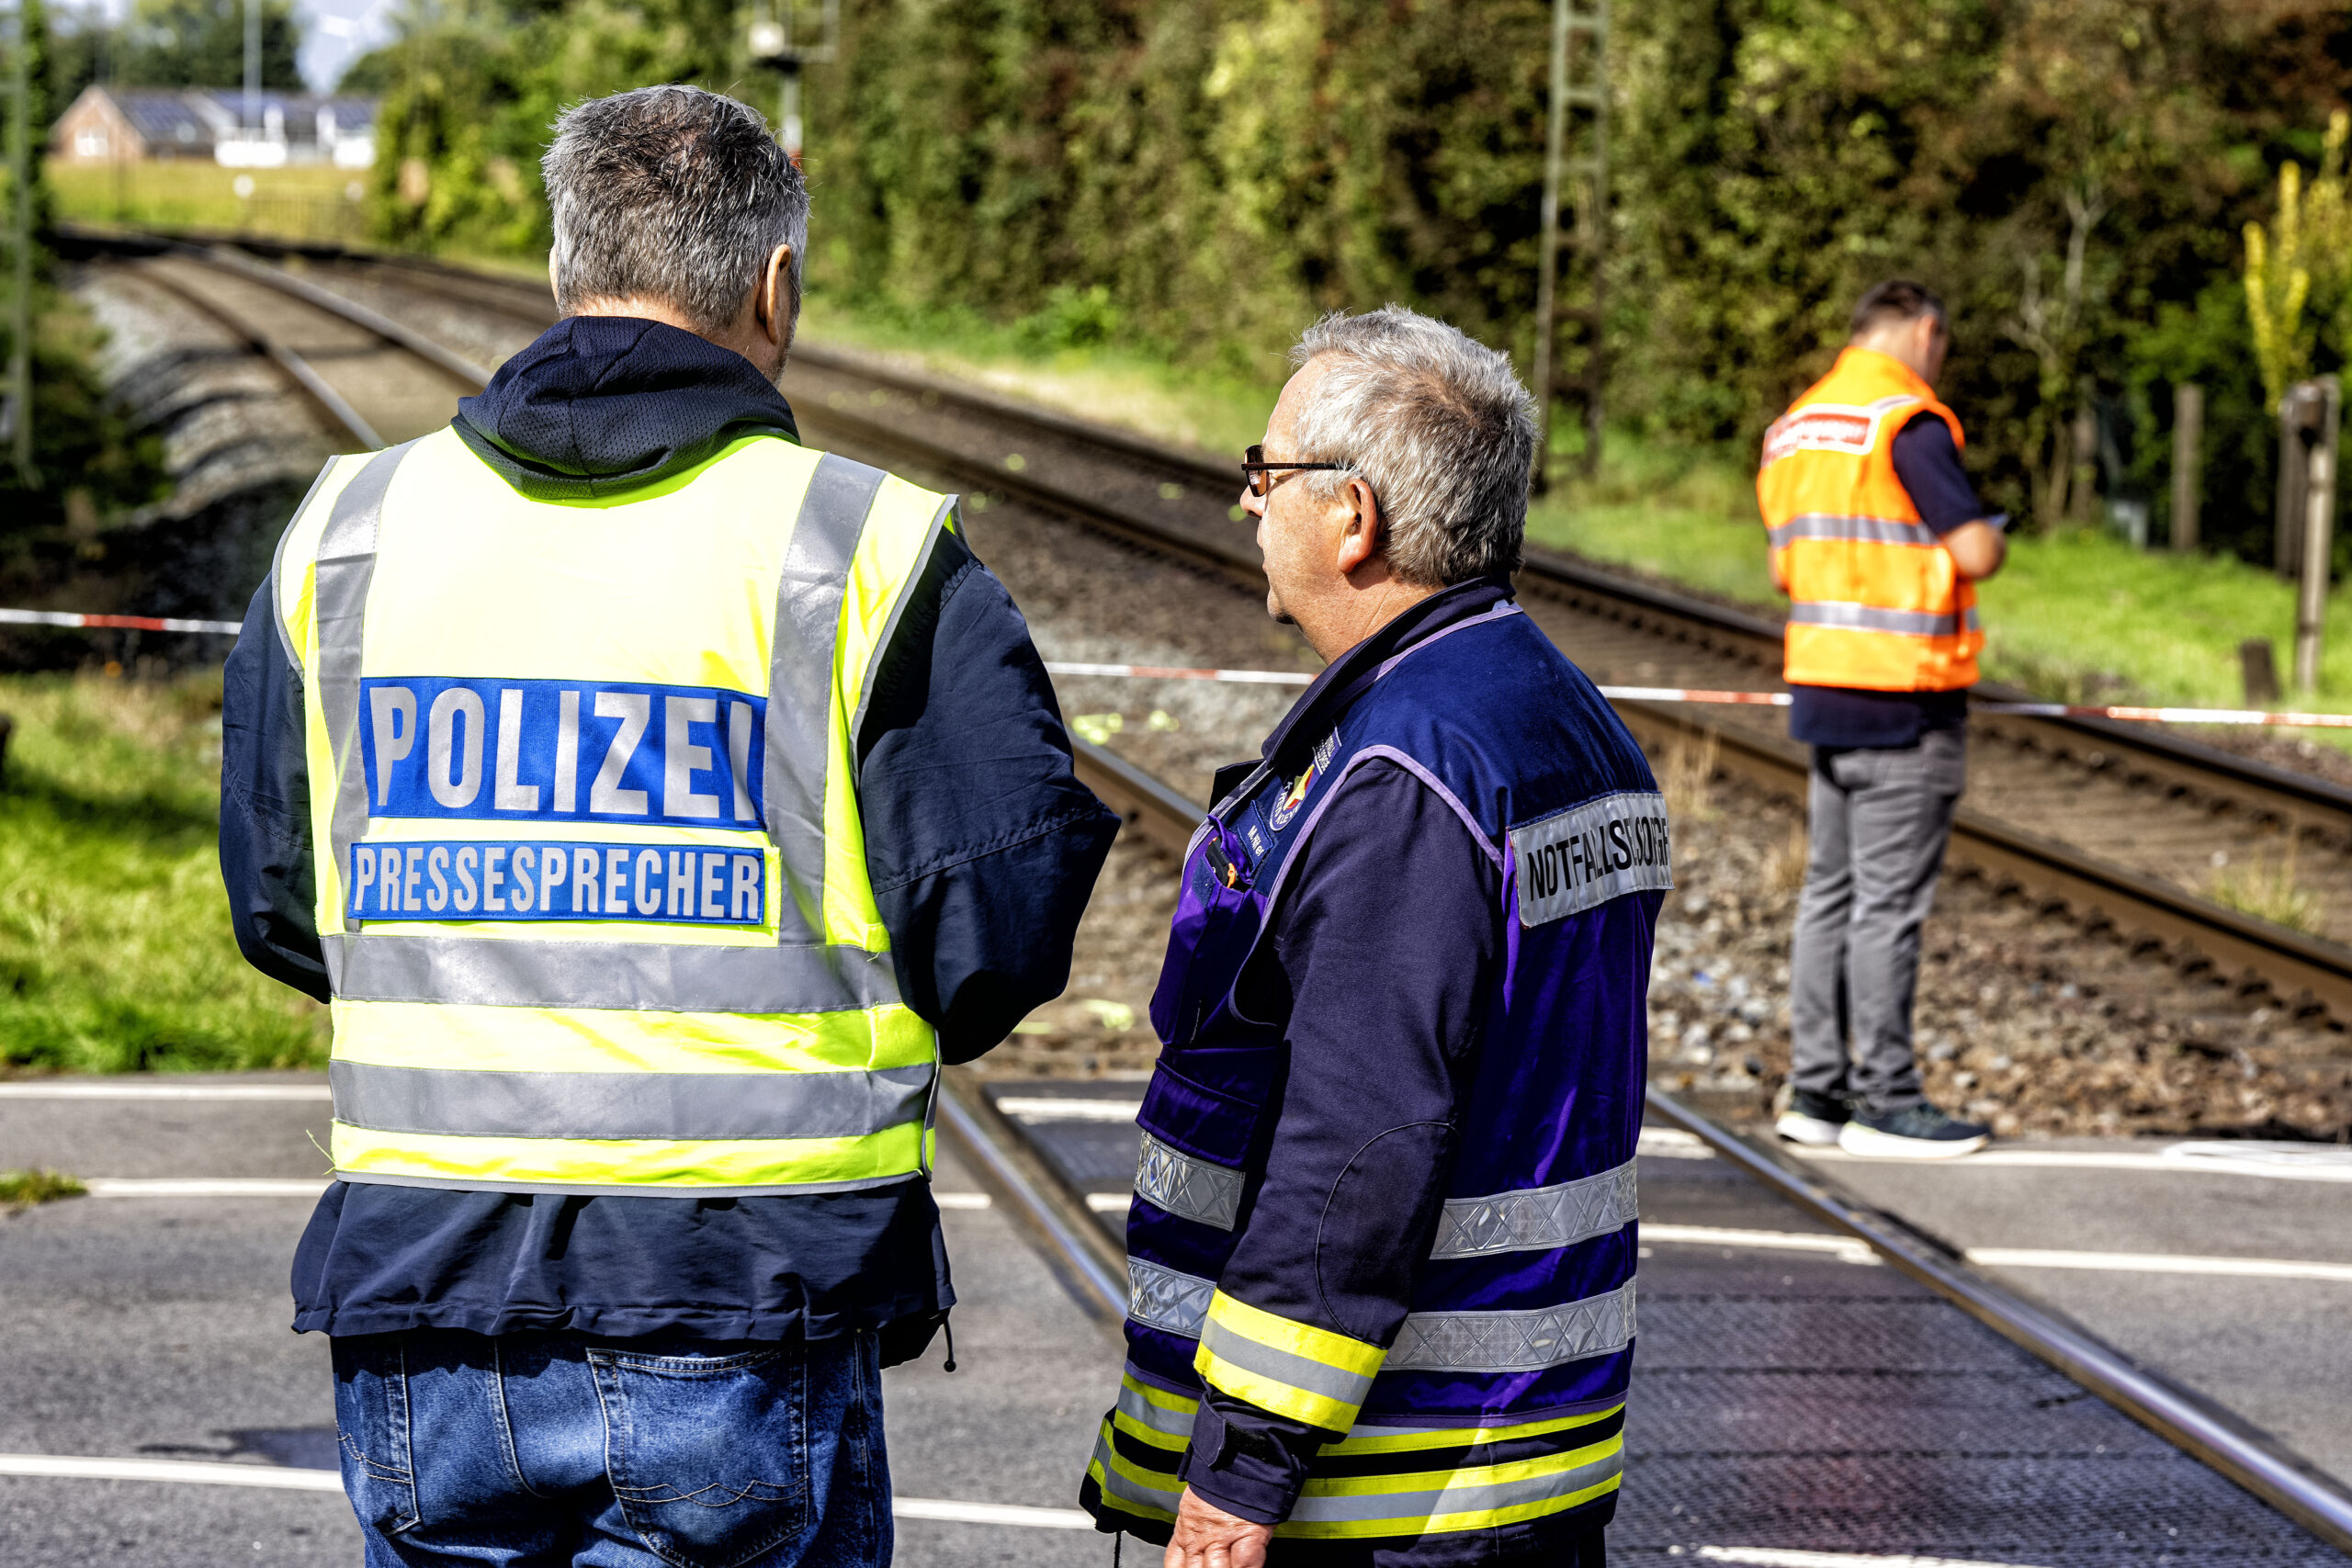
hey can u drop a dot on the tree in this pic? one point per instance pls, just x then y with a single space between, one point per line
202 43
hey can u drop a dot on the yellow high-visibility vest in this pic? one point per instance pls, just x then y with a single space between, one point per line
592 878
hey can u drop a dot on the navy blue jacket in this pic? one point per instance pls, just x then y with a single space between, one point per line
982 845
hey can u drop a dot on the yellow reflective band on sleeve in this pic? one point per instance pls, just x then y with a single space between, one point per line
645 1165
1291 1368
1475 1497
1148 1494
1365 1440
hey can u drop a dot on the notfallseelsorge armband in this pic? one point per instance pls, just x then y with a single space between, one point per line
1581 858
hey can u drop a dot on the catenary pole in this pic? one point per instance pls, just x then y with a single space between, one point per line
20 246
252 64
1547 245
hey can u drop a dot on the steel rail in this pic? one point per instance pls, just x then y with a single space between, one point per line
292 366
2291 961
2206 1431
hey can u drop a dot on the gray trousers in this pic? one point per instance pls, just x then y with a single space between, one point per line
1880 819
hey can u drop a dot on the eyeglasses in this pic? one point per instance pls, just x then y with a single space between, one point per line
1257 473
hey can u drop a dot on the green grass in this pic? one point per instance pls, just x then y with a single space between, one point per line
1064 358
313 203
115 948
23 1188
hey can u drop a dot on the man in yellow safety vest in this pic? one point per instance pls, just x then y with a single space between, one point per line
658 803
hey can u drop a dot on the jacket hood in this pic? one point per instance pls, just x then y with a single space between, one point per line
601 405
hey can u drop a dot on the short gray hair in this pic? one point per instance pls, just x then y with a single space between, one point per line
1438 425
672 193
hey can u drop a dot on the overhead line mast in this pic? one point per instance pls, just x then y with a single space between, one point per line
20 246
1571 92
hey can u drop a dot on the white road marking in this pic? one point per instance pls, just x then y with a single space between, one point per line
74 1467
1773 1557
204 1187
157 1088
990 1514
1055 1109
961 1199
1110 1202
1845 1248
2285 1162
1672 1143
2160 1263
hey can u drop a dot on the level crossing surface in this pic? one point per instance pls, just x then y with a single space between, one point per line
1790 1396
1789 1399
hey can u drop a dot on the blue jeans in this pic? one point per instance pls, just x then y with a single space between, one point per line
539 1450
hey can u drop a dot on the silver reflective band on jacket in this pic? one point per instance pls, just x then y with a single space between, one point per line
1854 530
1533 1219
1525 1339
1871 618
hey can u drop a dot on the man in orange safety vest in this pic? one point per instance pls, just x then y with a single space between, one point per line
1878 539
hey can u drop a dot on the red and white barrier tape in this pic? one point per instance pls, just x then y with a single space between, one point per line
123 623
1293 678
1777 699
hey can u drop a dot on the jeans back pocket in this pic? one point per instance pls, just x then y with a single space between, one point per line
371 1419
708 1454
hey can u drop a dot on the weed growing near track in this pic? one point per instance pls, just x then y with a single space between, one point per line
23 1188
115 948
2269 890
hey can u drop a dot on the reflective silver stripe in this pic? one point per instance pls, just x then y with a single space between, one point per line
1871 618
1854 530
1538 1217
921 564
1163 1298
681 1106
1526 1340
346 564
1120 1488
1187 1187
800 683
1412 1509
627 976
1523 1341
1153 1418
1335 1383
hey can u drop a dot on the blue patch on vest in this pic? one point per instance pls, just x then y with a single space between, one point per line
563 752
483 880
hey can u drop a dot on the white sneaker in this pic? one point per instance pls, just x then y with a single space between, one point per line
1814 1120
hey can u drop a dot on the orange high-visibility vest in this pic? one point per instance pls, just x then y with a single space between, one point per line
1875 599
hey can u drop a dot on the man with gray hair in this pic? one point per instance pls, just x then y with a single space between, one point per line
659 804
1381 1252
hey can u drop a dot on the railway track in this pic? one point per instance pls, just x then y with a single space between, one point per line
2125 826
1173 504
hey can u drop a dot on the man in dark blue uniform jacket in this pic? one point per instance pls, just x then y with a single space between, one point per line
1382 1252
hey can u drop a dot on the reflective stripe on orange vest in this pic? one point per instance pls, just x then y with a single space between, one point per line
1875 602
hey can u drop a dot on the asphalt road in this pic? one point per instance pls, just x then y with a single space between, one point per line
155 1328
1785 1402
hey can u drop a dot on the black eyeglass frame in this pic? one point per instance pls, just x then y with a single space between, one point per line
1254 469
